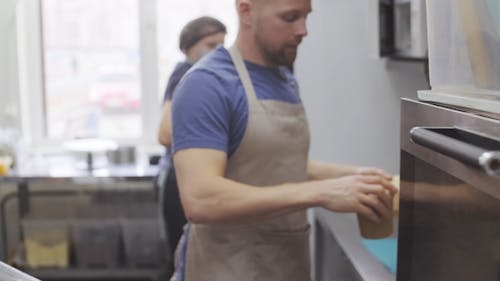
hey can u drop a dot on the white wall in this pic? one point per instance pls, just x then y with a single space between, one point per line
9 108
352 100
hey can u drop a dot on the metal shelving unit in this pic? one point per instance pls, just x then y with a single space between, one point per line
28 189
98 274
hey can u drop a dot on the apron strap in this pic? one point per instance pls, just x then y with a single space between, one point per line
243 74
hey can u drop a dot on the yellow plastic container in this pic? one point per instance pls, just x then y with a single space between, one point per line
46 243
5 162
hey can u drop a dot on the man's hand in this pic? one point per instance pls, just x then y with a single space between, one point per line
369 194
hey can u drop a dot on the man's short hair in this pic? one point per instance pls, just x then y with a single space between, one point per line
198 29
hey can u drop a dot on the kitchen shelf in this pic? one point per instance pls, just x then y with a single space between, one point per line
79 200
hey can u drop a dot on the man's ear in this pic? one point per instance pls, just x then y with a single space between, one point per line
245 11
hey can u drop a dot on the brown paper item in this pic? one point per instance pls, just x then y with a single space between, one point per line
383 229
373 230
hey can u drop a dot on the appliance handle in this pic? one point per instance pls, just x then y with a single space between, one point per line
470 154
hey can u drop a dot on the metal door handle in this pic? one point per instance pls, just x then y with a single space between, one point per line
468 147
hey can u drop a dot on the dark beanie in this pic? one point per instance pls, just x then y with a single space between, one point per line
198 29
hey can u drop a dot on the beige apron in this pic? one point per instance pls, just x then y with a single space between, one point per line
274 150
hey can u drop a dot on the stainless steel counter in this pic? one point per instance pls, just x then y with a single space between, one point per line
345 231
66 167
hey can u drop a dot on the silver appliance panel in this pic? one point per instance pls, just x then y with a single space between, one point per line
449 224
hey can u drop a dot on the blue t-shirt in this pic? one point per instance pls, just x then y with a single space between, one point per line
210 108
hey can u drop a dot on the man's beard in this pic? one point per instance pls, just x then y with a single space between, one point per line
282 56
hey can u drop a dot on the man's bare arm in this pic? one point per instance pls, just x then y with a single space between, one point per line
208 197
319 171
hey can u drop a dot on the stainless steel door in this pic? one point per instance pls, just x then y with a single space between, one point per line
449 225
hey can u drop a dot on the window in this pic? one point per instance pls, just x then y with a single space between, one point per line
91 68
103 64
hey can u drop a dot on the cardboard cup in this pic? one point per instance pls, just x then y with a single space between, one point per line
372 230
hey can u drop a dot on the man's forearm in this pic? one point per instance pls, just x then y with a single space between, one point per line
208 197
228 202
319 170
231 202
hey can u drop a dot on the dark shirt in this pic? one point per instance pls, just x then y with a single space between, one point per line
179 71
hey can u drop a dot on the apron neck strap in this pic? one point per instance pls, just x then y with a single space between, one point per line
243 74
